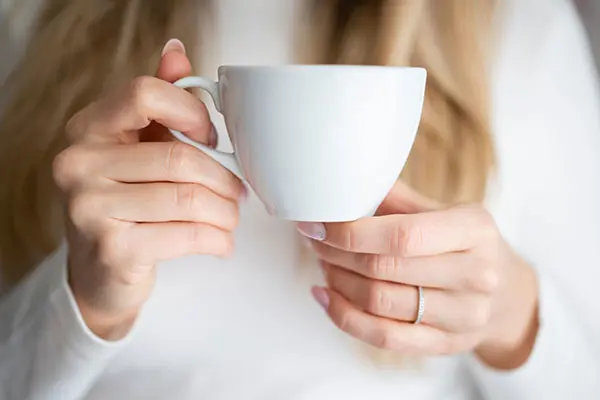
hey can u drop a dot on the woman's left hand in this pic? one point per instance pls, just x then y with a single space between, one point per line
479 295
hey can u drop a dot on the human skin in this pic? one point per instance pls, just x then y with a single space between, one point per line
479 294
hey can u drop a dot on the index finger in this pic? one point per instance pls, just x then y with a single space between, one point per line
174 65
407 235
119 116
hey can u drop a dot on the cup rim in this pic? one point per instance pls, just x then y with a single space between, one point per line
305 67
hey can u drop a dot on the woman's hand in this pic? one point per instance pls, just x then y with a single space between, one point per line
479 295
134 198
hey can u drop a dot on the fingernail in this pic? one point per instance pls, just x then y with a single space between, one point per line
213 138
321 297
313 230
173 45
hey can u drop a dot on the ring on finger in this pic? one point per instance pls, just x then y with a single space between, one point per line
420 306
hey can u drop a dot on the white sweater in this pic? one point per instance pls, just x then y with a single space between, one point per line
590 10
246 328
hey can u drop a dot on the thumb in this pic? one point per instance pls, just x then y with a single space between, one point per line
402 199
174 63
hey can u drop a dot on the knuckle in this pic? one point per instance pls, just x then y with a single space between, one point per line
351 239
374 265
139 93
486 223
178 158
196 234
193 200
134 275
484 279
385 339
379 300
187 196
397 240
480 315
382 266
84 207
75 127
409 239
112 248
477 316
141 87
69 166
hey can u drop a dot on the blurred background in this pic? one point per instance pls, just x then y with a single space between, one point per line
590 13
589 10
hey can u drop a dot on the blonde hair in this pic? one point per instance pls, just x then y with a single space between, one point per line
80 49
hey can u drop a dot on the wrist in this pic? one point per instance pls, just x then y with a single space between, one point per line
512 336
105 322
107 326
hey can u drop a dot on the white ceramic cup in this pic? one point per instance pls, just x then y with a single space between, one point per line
316 143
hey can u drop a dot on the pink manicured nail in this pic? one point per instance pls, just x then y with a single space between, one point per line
313 230
321 297
173 45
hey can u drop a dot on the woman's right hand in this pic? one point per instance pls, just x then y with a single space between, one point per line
131 203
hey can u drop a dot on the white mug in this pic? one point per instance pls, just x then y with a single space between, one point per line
316 142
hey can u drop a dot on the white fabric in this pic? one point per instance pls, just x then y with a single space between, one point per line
246 328
590 13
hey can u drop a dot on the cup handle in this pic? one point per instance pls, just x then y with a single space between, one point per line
227 160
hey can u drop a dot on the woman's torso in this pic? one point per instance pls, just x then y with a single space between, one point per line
247 327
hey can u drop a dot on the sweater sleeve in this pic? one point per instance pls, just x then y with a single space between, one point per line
559 222
46 350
